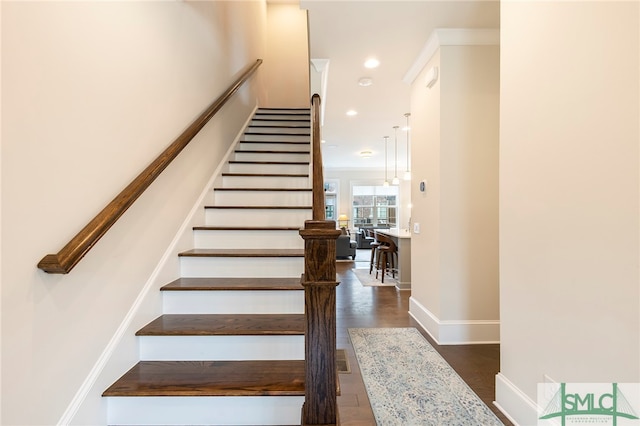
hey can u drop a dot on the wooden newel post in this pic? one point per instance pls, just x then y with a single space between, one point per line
319 281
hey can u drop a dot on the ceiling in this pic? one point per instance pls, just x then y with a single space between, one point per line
349 32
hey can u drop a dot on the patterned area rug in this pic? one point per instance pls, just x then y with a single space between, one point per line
410 384
369 280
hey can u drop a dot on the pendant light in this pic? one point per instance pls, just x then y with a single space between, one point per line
395 180
407 173
386 182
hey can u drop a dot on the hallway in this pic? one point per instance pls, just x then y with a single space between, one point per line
360 306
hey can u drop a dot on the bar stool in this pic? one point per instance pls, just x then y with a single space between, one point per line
374 249
387 251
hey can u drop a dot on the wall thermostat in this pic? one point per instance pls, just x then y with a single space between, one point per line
423 185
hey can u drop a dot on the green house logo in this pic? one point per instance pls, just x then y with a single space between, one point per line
583 404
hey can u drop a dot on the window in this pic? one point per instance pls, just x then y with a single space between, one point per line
330 207
375 205
330 200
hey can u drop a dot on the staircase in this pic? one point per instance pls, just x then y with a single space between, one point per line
229 347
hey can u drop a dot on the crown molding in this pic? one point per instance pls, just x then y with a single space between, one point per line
320 65
450 37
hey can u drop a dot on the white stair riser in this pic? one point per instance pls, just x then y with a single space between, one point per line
230 410
280 130
277 138
264 182
233 302
256 217
268 168
238 267
252 156
221 348
235 239
274 146
285 121
262 198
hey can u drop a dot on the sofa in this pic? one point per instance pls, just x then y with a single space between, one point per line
345 247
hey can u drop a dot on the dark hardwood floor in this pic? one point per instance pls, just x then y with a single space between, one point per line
359 306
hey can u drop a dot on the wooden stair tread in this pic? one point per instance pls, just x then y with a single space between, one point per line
267 117
285 111
279 142
277 134
282 111
267 174
246 228
211 378
225 325
295 116
264 189
283 126
267 162
265 108
268 151
233 284
261 207
243 253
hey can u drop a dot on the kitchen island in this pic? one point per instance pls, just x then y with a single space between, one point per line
402 239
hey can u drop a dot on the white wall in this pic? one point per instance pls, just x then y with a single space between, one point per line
455 150
91 93
569 197
469 182
287 70
425 166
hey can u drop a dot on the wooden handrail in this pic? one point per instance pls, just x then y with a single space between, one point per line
70 254
318 178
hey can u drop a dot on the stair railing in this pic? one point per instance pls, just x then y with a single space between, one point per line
63 261
319 281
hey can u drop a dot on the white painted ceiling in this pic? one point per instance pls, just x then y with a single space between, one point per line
347 33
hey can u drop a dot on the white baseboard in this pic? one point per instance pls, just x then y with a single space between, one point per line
455 332
515 404
402 285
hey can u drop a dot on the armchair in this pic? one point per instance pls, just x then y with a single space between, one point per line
345 247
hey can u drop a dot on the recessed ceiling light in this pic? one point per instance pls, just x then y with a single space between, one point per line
323 141
366 154
365 81
371 63
352 112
